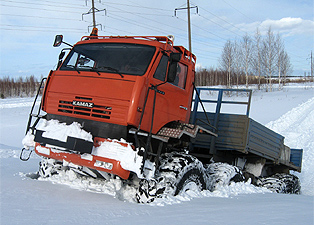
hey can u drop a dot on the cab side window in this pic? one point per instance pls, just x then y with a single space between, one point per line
180 79
161 70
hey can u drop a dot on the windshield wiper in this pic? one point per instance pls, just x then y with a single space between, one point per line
91 69
73 67
112 69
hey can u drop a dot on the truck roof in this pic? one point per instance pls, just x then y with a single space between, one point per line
158 41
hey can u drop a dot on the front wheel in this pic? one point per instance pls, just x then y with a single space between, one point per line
49 167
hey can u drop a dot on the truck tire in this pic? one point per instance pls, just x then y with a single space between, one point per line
183 172
292 183
48 167
177 173
272 183
281 183
191 180
222 174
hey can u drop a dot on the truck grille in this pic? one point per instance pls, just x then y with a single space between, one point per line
99 111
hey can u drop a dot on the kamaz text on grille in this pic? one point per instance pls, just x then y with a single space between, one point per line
84 104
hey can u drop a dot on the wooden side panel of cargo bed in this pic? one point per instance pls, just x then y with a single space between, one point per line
242 134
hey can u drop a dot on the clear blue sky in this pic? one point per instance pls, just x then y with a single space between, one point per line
28 27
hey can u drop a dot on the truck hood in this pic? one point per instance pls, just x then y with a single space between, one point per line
101 98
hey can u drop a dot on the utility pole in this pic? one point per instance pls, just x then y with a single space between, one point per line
189 26
189 20
92 11
312 67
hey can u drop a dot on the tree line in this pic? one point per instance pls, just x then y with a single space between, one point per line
258 57
19 87
213 77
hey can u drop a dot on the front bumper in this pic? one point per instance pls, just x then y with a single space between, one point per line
86 159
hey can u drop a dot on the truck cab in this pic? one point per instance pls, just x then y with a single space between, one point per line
130 92
104 81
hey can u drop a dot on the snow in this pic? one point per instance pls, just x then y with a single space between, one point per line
60 131
42 150
66 199
28 140
297 127
120 151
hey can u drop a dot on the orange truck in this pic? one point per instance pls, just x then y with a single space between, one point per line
121 106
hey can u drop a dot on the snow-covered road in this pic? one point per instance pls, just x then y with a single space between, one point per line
27 201
297 126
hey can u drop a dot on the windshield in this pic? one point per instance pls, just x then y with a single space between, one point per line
118 58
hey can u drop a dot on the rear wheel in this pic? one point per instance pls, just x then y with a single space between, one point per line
291 181
222 174
271 183
183 171
191 180
281 183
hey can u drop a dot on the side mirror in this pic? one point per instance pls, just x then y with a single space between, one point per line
175 57
58 40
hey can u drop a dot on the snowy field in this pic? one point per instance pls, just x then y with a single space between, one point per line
67 199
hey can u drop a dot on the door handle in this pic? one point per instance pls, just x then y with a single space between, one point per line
182 107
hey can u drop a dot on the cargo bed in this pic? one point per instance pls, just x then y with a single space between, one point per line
238 132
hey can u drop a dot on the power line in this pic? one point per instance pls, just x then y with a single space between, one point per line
201 28
51 10
40 27
219 25
139 6
237 10
168 24
40 17
31 3
140 13
221 19
156 28
36 29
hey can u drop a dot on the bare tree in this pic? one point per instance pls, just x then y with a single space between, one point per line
237 62
269 55
279 47
227 60
246 56
286 66
256 57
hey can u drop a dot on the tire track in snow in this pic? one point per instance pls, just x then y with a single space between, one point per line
297 126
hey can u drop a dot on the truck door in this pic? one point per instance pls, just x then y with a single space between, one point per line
174 103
